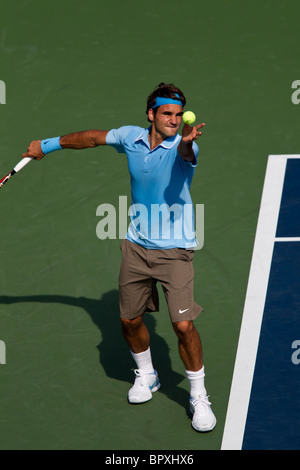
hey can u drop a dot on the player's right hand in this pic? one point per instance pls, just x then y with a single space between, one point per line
34 150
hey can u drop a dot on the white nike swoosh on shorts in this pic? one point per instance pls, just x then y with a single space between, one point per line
182 311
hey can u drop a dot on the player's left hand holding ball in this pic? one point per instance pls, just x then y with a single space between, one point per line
190 133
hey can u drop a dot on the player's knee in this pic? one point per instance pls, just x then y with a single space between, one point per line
184 328
131 325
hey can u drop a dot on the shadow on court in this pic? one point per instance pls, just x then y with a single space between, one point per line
114 355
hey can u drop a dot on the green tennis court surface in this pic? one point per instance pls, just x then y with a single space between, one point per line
72 65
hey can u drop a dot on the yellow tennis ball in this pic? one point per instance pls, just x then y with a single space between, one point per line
189 117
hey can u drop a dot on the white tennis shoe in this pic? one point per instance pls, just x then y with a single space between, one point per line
204 419
143 387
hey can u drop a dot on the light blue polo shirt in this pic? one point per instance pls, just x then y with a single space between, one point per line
162 214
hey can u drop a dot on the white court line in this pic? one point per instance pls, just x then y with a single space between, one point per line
254 303
287 239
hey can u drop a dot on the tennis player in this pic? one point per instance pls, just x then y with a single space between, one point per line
159 245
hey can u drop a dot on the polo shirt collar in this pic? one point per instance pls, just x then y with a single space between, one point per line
167 143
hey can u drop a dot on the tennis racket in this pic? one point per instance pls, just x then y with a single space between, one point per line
17 168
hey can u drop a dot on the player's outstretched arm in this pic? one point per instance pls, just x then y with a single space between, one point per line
37 149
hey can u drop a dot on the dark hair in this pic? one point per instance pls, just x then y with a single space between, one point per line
165 90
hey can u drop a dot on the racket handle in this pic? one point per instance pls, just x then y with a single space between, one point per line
22 163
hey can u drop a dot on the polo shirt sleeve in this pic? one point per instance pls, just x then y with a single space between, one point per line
116 138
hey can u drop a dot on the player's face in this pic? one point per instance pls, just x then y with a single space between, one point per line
167 119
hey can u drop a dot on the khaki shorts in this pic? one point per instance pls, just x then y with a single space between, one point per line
140 271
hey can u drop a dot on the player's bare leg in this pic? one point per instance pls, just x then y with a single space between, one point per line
136 334
189 344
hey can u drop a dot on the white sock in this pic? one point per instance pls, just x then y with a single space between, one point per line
143 361
196 382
